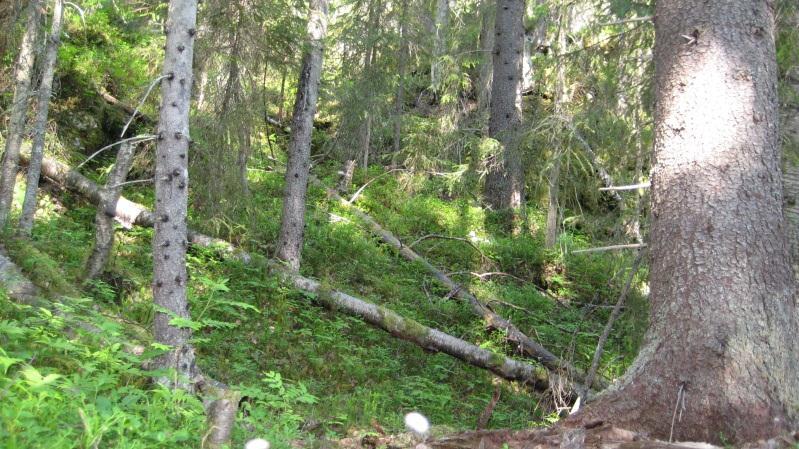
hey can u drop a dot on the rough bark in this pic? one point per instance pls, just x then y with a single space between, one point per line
40 123
721 347
523 343
504 185
23 74
171 196
292 225
421 335
104 218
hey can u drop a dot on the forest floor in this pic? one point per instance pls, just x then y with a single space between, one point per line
308 373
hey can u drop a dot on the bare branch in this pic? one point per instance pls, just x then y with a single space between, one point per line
600 346
359 191
643 185
623 21
137 139
137 181
610 248
141 102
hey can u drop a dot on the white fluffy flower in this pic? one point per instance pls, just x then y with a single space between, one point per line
417 423
257 443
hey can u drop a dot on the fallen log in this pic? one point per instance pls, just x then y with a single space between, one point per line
126 212
419 334
524 343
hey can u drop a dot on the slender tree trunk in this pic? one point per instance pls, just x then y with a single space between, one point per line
171 196
292 225
243 157
23 74
504 186
40 125
486 66
719 360
345 183
104 218
439 44
282 101
366 139
365 130
561 98
399 98
553 206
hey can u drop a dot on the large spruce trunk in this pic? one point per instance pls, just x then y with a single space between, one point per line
171 195
504 185
719 362
292 225
23 74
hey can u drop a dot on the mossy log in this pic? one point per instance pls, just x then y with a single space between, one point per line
419 334
523 343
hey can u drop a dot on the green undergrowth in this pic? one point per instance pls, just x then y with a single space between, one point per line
306 371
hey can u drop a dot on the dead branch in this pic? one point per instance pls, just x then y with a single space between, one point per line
610 248
600 346
643 185
447 237
521 341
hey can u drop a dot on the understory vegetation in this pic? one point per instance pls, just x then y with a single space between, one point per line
74 365
305 372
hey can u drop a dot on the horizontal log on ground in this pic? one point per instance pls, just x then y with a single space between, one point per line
124 211
419 334
524 344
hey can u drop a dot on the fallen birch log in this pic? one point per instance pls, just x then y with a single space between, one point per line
419 334
523 343
126 212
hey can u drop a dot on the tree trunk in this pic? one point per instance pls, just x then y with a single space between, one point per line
104 218
488 11
561 98
345 183
292 225
504 186
553 208
243 157
719 360
366 139
171 196
399 97
439 44
40 125
23 74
